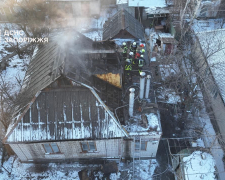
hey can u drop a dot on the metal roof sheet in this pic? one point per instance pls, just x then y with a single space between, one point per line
124 21
66 114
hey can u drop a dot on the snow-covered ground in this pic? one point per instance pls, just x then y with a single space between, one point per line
15 72
211 141
169 96
69 171
19 170
168 70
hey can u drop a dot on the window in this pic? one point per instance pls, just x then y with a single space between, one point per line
143 145
88 146
51 148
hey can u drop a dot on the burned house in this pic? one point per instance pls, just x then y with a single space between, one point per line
68 107
123 25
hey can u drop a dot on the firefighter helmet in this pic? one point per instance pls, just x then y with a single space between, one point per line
134 43
142 55
124 44
131 53
128 60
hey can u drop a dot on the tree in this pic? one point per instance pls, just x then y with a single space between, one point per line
27 20
7 101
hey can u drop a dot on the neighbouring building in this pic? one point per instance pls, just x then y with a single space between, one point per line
194 164
191 159
77 8
122 25
143 9
208 8
68 107
208 52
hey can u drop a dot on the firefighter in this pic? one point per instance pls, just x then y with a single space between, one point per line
133 47
124 50
131 57
128 68
142 51
141 63
142 46
136 57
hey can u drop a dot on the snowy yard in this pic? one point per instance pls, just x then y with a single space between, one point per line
69 171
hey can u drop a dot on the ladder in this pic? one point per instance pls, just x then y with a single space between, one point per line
136 157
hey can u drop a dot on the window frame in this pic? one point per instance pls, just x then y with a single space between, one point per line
142 142
53 152
87 143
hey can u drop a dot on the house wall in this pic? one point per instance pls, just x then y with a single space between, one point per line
152 146
210 89
111 148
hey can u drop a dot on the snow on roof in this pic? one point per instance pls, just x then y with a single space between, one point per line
64 114
165 35
164 10
94 35
199 166
147 3
213 46
121 1
207 25
153 125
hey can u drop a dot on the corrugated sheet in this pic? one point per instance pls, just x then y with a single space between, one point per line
65 114
122 20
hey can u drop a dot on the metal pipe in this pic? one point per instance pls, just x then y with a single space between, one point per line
142 85
147 86
131 102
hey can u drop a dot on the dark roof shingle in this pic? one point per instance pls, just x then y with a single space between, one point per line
123 21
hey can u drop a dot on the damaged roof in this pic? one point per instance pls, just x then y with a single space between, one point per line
56 60
123 25
71 54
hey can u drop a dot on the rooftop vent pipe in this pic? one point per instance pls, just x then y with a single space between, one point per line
142 85
147 86
131 102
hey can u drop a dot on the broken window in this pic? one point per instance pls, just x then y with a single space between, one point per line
88 146
143 145
51 148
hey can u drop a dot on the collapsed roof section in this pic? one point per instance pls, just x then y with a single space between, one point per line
122 25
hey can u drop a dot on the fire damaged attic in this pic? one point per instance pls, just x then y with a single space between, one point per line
70 106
